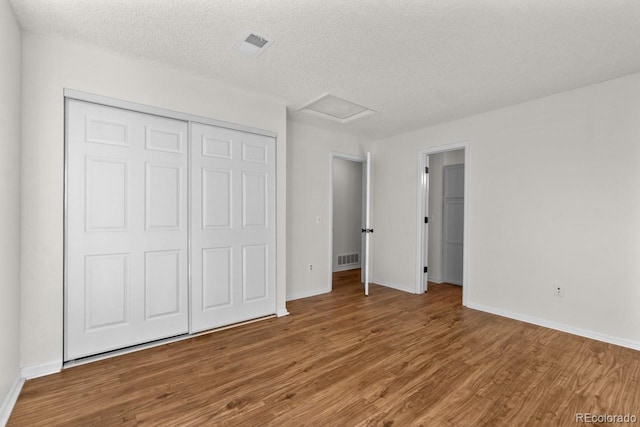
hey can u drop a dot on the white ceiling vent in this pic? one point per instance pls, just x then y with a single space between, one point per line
252 44
336 109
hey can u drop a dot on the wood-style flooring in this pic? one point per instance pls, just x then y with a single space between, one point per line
391 358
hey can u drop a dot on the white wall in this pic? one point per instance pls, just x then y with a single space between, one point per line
347 210
50 65
437 162
10 66
553 198
309 152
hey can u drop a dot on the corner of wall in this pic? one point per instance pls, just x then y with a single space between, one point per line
10 211
10 400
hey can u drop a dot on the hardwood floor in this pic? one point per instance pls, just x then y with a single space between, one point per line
344 359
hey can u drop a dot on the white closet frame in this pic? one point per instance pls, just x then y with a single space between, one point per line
156 111
72 94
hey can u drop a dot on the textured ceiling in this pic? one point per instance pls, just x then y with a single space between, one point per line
416 62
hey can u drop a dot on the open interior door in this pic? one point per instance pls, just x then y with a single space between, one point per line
425 227
367 230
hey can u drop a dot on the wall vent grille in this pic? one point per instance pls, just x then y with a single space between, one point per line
349 259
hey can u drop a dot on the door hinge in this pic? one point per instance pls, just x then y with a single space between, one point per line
426 220
367 230
425 269
426 169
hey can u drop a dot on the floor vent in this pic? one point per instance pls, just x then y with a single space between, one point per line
349 259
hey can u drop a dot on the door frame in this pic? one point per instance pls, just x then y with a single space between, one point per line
353 158
421 194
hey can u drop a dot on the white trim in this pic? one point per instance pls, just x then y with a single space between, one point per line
332 155
31 372
283 312
635 345
307 294
393 286
420 194
420 189
347 267
435 279
10 401
141 108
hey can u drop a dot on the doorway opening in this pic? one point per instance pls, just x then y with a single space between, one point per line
347 246
443 218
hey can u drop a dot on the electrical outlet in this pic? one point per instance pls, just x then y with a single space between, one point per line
558 290
310 267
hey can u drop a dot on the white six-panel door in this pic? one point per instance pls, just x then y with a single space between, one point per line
233 214
453 224
127 231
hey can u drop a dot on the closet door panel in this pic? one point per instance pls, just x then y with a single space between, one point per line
133 203
126 229
233 226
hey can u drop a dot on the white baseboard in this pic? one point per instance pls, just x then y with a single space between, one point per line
306 294
346 267
393 286
435 279
30 372
558 326
282 312
10 401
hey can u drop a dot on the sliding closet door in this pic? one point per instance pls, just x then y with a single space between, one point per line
233 226
127 237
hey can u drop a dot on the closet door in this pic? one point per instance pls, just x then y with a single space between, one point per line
126 229
453 224
233 226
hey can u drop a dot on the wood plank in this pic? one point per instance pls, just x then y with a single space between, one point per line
391 358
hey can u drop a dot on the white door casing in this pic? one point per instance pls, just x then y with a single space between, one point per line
425 226
233 214
126 224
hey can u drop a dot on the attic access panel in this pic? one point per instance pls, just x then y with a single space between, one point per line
337 109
